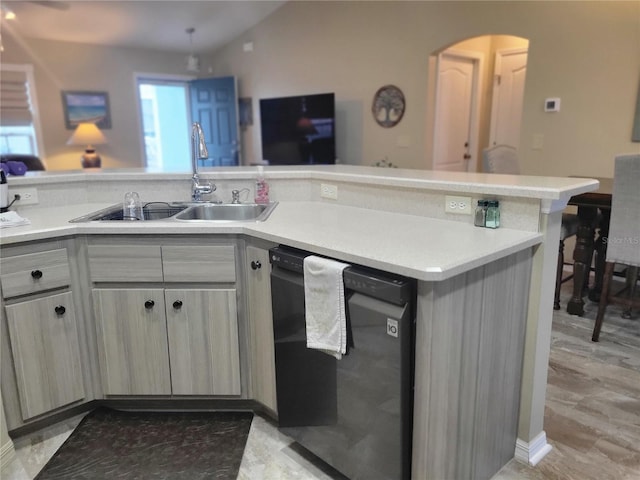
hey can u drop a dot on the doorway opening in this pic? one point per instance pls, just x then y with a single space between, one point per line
168 105
475 94
164 114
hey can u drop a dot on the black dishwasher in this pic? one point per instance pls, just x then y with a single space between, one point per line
354 413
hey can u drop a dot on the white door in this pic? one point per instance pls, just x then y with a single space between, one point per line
455 133
508 92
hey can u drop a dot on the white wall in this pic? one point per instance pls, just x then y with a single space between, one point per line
587 53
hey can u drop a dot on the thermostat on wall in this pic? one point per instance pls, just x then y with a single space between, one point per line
552 105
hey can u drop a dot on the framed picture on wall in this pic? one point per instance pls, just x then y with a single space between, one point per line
86 107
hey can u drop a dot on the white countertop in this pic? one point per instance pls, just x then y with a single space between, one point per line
418 247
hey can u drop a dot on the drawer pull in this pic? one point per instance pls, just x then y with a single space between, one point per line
149 304
255 265
60 310
177 304
36 274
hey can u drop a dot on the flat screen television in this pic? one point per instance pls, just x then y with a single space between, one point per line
298 130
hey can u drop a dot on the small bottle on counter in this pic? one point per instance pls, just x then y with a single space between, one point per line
262 187
480 214
492 219
4 191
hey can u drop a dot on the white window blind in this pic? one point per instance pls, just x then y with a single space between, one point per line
15 108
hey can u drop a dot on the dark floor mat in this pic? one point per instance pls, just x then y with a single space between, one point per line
111 444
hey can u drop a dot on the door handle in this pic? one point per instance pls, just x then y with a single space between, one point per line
467 156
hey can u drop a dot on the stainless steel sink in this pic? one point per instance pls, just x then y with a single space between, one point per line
186 212
151 210
227 212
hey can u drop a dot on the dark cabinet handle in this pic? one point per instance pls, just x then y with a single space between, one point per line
177 304
60 310
36 274
149 304
255 265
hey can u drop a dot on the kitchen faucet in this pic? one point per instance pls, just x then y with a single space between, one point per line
198 151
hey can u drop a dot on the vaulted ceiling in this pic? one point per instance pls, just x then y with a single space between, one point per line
159 25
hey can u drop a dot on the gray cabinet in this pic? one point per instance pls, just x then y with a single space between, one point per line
174 334
202 328
44 344
263 376
41 351
163 342
132 341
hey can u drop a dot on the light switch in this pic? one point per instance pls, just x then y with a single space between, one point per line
538 142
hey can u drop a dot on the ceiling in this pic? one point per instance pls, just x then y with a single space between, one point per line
159 25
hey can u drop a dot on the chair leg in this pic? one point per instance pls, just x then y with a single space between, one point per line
602 306
556 300
632 280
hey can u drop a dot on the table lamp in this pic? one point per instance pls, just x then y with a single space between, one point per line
88 134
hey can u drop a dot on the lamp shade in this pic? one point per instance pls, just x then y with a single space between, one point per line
87 134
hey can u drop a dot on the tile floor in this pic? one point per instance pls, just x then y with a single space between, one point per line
592 416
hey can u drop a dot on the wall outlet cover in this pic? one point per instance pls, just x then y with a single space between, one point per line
28 196
458 205
329 191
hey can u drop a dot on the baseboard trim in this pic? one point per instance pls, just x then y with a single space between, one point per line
7 454
534 451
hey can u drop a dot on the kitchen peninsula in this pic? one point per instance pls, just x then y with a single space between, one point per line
484 296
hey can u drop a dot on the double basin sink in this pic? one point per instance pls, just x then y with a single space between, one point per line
187 212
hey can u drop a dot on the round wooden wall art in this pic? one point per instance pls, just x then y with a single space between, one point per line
388 106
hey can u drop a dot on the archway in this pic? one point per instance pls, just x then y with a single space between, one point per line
470 104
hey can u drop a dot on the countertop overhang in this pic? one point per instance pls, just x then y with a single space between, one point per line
523 186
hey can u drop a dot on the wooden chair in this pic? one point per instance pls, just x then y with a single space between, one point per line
623 242
504 159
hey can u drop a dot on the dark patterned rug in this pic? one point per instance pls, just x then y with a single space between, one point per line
112 444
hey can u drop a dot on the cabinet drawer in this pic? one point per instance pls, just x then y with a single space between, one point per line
125 263
213 263
35 272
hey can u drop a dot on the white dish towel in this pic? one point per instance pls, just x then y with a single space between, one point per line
325 313
12 219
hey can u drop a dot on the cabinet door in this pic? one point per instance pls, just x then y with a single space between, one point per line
132 337
46 356
203 341
263 370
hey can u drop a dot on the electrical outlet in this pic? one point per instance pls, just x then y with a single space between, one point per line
329 191
460 205
28 196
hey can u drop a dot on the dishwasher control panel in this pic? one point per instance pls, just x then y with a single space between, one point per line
368 281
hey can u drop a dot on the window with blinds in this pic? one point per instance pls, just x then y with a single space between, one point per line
15 108
17 122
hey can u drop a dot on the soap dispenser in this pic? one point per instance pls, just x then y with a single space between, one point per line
262 187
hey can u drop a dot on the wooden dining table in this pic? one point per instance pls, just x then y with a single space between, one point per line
594 213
